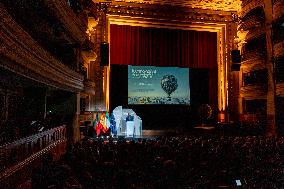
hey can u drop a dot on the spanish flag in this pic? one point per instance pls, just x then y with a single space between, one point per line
103 123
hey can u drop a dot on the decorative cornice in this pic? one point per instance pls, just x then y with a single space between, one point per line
25 56
168 13
89 56
278 10
92 23
278 49
241 38
89 87
164 23
251 4
75 26
228 5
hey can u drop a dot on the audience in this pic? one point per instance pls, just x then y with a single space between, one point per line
167 162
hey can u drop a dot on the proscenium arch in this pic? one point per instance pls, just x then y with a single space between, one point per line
219 28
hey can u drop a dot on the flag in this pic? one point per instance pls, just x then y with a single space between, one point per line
103 123
113 124
99 127
96 120
107 120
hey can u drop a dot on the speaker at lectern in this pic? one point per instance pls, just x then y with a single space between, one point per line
128 123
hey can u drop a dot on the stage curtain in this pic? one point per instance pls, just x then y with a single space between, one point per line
135 45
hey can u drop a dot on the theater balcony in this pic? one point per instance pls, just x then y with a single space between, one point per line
253 54
255 18
254 33
279 75
254 49
253 91
53 25
19 158
278 9
71 15
278 36
255 63
23 52
279 49
248 5
254 112
89 86
254 84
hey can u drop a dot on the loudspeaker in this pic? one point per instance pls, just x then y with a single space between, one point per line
104 54
235 67
236 56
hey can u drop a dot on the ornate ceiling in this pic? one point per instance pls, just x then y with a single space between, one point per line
221 5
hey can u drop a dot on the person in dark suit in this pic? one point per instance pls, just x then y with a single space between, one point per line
129 117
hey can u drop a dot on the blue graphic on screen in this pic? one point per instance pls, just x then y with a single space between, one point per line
158 85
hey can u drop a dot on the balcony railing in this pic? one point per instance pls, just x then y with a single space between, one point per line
249 5
72 17
252 22
253 91
18 156
253 55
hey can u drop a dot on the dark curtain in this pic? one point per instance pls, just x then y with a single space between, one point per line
133 45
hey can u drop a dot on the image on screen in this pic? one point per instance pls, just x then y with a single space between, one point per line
158 85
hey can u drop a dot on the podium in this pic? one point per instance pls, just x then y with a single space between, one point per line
127 127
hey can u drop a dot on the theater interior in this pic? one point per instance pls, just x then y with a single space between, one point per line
141 94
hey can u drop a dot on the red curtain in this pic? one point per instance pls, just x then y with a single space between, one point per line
133 45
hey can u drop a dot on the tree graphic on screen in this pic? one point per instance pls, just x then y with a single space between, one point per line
169 84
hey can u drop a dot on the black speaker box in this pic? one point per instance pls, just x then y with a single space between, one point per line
235 67
104 54
236 56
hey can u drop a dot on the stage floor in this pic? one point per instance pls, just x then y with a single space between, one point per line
153 134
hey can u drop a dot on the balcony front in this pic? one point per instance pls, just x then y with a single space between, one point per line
253 55
248 5
253 91
52 24
18 158
22 54
89 87
253 22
